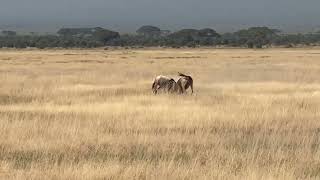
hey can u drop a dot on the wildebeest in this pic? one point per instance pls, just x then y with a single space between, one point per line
185 82
165 83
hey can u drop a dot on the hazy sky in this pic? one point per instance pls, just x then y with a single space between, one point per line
127 15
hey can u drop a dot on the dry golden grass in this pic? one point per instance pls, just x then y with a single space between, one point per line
90 114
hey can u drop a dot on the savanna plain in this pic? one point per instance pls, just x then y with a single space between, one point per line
91 114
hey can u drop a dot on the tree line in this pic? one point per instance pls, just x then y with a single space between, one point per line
147 36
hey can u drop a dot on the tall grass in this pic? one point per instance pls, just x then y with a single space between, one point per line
90 114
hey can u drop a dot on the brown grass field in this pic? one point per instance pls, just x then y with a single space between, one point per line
91 114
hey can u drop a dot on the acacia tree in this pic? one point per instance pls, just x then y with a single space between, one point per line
104 35
256 36
149 31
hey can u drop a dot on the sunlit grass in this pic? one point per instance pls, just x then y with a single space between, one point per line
95 117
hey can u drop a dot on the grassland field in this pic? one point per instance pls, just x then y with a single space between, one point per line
91 114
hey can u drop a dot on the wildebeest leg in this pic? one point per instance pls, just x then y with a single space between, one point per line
183 89
181 86
166 87
180 91
172 86
157 89
169 86
154 90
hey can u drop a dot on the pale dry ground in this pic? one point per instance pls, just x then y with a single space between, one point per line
90 114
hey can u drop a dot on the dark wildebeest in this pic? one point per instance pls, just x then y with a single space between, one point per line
165 83
185 82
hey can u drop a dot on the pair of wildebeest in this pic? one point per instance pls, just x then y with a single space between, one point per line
169 85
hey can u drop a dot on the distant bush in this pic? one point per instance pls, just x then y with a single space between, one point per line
9 33
149 31
255 37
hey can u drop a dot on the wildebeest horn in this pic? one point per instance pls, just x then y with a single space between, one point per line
180 74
